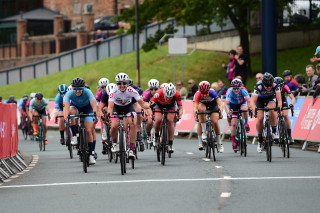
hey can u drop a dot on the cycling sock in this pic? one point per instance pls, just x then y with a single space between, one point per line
94 145
62 134
246 121
35 127
218 139
175 124
91 149
289 132
234 142
203 126
170 143
260 138
157 134
200 140
132 145
274 129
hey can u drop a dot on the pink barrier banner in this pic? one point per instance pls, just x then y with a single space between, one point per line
8 130
187 121
308 124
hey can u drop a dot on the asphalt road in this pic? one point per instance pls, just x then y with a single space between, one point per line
187 183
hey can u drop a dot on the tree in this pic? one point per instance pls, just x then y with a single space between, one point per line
204 12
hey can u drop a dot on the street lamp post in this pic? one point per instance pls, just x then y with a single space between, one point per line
137 44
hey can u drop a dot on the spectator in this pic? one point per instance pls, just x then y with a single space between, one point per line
314 58
11 100
312 78
99 37
301 80
193 88
259 76
290 81
0 99
318 70
183 91
215 86
241 64
223 88
231 66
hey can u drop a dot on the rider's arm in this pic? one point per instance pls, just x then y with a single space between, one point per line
253 102
220 105
279 100
195 108
293 99
180 111
110 107
143 104
93 104
100 108
66 109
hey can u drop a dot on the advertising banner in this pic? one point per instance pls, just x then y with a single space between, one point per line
187 121
297 109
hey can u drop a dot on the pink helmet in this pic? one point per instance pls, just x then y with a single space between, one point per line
204 87
163 85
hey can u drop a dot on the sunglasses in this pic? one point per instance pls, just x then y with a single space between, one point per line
267 86
78 88
122 83
236 88
154 89
102 87
179 84
39 99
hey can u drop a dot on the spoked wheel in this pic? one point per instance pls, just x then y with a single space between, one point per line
213 152
83 147
110 154
268 141
132 162
68 143
286 143
24 130
158 153
243 142
122 151
163 154
207 147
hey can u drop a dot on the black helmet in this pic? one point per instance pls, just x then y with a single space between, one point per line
25 98
11 98
39 95
267 79
62 89
25 95
286 73
279 81
87 86
78 82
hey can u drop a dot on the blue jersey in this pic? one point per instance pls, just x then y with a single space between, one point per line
23 106
59 102
239 98
80 101
261 91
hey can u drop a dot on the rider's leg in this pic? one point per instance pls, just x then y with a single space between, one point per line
88 124
273 116
35 122
202 121
61 126
234 130
133 131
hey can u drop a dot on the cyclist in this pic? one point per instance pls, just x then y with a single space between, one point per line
78 100
39 107
120 101
237 98
137 108
11 100
285 89
207 98
103 83
265 95
103 104
32 95
166 98
153 85
62 90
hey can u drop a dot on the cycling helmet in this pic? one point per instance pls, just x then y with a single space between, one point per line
78 82
25 98
62 89
87 86
110 88
286 73
204 87
32 95
153 83
236 83
122 77
11 98
163 85
69 88
25 95
267 79
103 82
169 90
279 81
39 95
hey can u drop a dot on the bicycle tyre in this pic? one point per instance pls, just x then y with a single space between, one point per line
122 151
286 140
213 152
238 138
68 142
268 143
39 136
158 153
281 138
83 148
110 154
164 143
243 139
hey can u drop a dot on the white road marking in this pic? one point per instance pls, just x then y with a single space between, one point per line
158 180
225 194
206 159
219 167
32 164
227 177
189 153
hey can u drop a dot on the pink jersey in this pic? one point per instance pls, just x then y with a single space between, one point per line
285 90
147 95
99 94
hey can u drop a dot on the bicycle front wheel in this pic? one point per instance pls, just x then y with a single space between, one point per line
83 147
164 143
268 142
243 140
122 151
68 142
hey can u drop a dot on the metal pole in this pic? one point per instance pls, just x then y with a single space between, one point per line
182 68
269 37
174 70
138 46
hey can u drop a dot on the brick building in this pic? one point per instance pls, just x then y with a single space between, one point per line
74 9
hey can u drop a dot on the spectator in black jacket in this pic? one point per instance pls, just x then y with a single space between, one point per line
241 64
312 78
223 88
193 88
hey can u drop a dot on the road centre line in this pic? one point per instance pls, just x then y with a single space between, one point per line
159 180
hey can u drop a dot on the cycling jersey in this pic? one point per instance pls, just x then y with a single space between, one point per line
293 85
38 107
105 98
213 96
285 90
123 98
28 103
147 95
160 98
59 102
241 98
22 106
99 94
139 90
261 91
80 101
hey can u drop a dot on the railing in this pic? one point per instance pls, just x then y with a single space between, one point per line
110 47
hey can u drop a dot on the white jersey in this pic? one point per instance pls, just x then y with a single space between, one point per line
123 98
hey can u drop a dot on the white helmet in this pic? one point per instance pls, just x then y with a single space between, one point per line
153 83
163 85
122 77
169 90
69 88
110 87
103 82
33 95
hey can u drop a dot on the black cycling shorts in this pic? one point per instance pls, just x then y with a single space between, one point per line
262 102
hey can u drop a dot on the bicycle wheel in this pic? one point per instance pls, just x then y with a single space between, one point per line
110 154
164 143
213 152
238 138
268 142
39 136
285 140
83 147
68 142
243 142
24 129
122 151
281 138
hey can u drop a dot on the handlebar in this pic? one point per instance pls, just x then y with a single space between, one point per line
290 107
